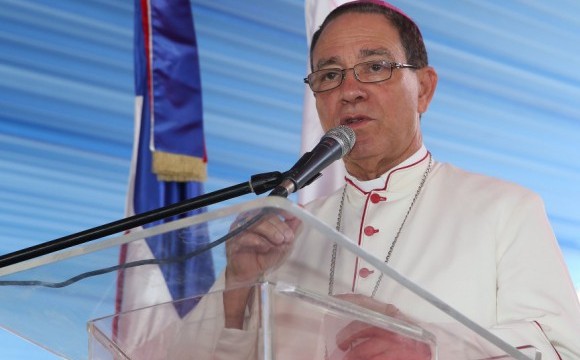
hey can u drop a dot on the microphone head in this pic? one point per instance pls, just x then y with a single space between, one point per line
345 136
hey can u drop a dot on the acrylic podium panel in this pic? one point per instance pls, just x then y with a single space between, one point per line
51 300
285 323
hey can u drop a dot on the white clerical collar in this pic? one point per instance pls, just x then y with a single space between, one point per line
378 183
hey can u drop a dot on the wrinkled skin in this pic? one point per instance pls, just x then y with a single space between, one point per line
363 341
262 247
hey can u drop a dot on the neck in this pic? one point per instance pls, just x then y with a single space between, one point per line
365 172
371 169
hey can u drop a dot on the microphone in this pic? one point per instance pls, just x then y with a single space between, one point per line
335 144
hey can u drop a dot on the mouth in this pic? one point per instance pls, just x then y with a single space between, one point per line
353 120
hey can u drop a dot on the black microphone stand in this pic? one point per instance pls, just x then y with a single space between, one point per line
258 184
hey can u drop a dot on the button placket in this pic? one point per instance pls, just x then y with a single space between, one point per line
375 199
369 231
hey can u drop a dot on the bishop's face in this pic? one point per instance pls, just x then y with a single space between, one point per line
384 115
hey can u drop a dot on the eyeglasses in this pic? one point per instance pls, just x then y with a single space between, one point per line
366 72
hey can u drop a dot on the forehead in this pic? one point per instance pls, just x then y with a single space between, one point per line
355 37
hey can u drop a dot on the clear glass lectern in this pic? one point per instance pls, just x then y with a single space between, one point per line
72 303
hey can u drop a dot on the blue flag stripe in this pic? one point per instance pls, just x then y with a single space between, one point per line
195 275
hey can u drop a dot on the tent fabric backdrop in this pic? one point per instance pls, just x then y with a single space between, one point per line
506 105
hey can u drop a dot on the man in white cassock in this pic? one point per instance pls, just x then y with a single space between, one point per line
483 246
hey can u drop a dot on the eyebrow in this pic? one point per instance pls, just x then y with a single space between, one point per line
363 53
379 51
328 61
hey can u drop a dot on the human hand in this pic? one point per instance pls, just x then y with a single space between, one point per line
261 247
360 340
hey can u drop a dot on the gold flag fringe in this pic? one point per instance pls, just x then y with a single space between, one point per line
176 167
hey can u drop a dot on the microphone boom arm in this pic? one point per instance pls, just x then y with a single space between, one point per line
258 184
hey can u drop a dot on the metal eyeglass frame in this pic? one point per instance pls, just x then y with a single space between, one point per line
392 65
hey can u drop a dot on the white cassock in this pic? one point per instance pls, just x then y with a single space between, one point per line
483 246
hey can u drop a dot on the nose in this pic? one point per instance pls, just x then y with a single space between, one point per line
351 89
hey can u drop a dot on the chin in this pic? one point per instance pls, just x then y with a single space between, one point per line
361 151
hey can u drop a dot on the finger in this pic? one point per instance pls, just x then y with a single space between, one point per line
377 343
292 221
357 331
268 228
370 349
250 242
373 349
348 334
276 225
245 218
273 229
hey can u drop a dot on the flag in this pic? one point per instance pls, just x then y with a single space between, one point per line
168 166
333 176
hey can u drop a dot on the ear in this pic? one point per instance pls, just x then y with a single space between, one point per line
427 78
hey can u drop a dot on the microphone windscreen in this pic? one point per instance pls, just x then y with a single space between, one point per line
345 136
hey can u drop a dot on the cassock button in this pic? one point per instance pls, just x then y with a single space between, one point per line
364 272
370 231
375 198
